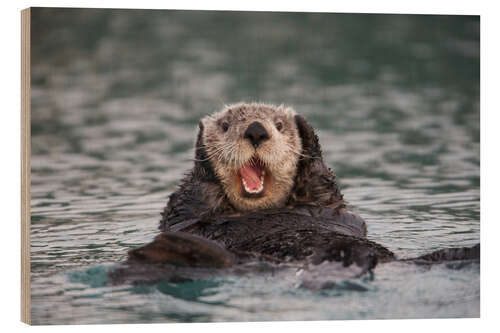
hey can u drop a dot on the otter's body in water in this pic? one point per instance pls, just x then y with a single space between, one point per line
259 190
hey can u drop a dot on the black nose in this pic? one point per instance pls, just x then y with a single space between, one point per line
256 133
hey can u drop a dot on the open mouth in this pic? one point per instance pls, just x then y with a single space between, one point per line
253 175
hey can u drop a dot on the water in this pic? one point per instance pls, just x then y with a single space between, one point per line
116 96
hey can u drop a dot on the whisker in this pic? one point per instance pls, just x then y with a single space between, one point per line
292 150
211 154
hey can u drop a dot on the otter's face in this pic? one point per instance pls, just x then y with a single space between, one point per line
254 150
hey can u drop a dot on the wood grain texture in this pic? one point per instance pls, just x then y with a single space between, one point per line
25 165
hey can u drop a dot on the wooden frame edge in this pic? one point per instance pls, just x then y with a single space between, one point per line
25 165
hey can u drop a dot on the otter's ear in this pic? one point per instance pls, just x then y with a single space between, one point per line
202 167
200 152
310 141
314 183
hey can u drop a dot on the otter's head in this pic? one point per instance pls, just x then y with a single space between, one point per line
253 150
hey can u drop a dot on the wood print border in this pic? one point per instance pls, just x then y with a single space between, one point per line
25 165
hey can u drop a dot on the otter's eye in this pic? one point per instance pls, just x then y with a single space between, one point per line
279 126
225 126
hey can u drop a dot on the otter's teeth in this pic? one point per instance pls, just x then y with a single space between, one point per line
259 189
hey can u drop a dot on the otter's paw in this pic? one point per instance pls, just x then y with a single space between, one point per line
182 249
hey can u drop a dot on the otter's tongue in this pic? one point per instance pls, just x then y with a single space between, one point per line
251 174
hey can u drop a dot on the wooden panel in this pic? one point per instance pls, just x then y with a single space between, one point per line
25 166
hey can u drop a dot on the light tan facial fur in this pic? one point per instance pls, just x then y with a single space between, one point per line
228 150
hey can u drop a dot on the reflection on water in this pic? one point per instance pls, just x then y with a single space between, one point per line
116 96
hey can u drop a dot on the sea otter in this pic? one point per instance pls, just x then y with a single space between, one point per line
260 190
252 158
